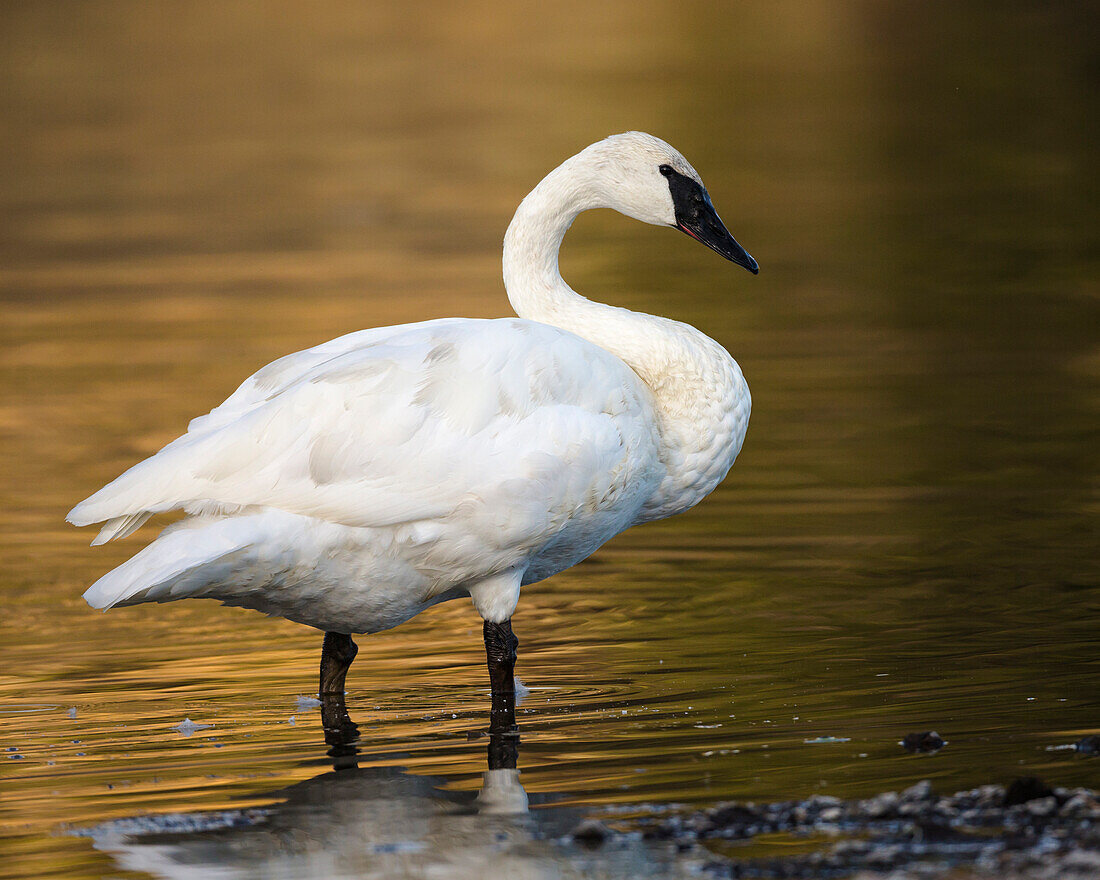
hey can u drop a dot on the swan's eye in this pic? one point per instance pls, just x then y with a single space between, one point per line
666 170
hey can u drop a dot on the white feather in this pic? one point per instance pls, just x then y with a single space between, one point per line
121 526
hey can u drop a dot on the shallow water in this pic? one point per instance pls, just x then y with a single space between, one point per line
908 541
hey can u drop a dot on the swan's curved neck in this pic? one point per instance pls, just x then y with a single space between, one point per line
700 397
535 287
533 281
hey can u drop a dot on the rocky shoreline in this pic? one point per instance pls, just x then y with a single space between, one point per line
1026 831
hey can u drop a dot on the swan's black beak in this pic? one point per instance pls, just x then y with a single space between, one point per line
696 216
708 228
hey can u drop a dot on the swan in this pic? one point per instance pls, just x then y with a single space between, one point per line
352 485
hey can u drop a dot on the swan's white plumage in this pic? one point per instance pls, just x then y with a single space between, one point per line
406 426
459 447
353 484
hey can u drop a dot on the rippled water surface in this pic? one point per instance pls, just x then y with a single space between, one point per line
908 541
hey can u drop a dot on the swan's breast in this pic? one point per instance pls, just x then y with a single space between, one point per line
702 406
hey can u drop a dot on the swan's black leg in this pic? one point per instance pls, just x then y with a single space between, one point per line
336 656
500 654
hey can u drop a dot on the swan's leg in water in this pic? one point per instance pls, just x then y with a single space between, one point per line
500 653
336 656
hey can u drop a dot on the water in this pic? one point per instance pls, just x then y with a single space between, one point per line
908 541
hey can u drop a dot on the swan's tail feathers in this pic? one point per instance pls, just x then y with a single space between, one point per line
156 485
121 526
121 512
180 563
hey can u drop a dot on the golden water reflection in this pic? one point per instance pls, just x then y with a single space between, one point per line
908 541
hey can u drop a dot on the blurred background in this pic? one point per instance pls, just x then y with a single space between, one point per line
908 541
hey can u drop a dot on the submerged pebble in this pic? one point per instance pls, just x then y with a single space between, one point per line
925 743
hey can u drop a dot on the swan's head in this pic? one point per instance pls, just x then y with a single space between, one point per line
643 177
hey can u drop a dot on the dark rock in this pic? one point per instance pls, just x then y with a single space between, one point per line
922 791
831 814
1079 804
933 831
1045 806
1088 745
990 795
821 801
591 833
733 815
1024 789
923 743
882 806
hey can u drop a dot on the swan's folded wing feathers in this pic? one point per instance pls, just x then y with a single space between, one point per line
507 415
155 483
121 526
285 371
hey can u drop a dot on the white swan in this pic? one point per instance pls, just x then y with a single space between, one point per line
352 485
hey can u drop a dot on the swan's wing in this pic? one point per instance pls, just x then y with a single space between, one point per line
285 371
252 393
509 423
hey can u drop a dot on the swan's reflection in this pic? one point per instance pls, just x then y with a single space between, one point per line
364 822
501 791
